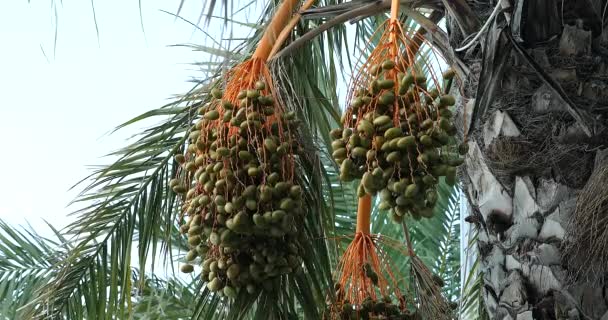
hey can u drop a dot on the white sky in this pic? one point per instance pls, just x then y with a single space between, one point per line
56 114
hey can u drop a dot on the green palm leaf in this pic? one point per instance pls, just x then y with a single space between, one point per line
26 261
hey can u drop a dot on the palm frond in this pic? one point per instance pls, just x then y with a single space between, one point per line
447 264
163 299
129 195
26 261
127 203
472 302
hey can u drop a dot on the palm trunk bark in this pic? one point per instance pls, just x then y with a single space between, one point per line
533 165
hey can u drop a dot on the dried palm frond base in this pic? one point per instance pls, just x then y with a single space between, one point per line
585 249
367 287
510 156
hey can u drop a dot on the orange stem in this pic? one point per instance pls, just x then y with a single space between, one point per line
394 10
285 32
277 24
364 212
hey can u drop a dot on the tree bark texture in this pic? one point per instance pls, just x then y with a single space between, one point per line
534 108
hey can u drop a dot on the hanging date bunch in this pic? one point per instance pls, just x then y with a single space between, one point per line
366 288
241 200
396 139
397 131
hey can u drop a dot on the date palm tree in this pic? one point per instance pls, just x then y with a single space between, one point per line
105 264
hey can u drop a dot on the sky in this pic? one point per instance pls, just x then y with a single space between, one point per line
58 108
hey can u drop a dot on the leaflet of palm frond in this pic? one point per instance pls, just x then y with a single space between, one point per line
397 130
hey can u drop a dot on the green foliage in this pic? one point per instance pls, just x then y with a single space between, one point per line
163 299
472 305
88 271
26 262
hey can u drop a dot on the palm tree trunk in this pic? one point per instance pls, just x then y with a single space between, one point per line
536 175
